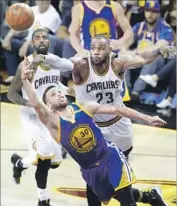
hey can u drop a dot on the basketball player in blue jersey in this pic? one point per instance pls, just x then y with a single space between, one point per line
92 18
98 78
103 165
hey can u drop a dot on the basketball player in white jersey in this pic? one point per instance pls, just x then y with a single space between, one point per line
43 151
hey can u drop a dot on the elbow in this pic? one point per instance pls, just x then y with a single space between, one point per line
131 37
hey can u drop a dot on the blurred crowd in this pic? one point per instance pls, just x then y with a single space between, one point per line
153 24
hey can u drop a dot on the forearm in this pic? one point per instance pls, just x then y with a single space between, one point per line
126 40
33 98
76 43
62 64
11 34
132 114
16 98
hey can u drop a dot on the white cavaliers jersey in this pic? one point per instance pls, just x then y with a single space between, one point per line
102 88
106 89
44 77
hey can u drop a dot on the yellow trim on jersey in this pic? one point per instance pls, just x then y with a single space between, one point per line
127 179
81 14
109 122
56 163
42 65
83 109
59 132
38 156
72 119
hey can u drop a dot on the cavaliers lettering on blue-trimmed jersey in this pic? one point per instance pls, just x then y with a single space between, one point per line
102 23
103 165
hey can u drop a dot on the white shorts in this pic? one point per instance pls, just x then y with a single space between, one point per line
40 143
120 133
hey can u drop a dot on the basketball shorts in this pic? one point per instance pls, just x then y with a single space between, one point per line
120 133
111 174
40 142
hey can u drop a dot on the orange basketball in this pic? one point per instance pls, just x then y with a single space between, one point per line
19 17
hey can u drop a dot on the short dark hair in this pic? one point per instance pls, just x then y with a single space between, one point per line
101 36
45 93
40 30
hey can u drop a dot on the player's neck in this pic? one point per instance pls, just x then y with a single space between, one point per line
96 5
101 68
65 112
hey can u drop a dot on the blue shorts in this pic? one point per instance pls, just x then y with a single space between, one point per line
111 174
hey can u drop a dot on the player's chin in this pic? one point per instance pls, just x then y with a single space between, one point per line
63 104
43 50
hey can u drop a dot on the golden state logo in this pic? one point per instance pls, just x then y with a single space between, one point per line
82 139
99 26
152 4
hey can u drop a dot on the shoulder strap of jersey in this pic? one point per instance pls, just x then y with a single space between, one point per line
78 107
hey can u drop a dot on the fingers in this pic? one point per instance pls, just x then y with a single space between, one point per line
28 71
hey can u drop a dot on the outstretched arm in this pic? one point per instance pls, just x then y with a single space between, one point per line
62 64
95 108
41 109
15 89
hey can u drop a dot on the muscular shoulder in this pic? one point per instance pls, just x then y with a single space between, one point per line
117 9
80 71
76 8
117 64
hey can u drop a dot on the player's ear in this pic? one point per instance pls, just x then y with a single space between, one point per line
110 49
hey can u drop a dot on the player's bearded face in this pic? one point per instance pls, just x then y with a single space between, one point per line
41 43
56 99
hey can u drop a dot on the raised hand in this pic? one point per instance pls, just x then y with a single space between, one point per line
27 71
39 58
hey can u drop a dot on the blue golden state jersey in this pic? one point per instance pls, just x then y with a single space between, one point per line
145 38
94 23
82 138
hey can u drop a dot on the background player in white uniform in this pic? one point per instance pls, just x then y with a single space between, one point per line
43 150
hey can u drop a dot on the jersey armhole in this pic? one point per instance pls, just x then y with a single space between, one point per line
83 109
120 71
113 11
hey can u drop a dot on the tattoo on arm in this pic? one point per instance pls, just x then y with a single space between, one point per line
15 89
